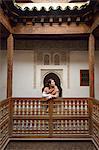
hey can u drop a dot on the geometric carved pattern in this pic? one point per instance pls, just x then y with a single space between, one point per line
4 122
71 107
70 126
95 121
29 126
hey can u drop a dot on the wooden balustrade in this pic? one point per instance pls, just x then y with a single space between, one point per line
4 122
95 121
66 117
40 118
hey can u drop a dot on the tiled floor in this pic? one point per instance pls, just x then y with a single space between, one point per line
50 145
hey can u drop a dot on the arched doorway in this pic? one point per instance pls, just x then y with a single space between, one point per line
56 79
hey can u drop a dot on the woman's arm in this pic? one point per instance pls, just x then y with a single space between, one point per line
46 94
56 92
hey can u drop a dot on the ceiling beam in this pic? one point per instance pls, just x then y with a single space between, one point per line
51 29
95 24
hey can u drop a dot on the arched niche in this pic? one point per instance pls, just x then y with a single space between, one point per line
56 79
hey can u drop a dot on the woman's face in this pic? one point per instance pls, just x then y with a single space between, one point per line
52 83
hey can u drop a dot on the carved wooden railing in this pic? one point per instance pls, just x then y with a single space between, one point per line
95 121
39 118
68 117
4 122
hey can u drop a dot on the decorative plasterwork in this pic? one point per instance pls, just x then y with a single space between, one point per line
58 72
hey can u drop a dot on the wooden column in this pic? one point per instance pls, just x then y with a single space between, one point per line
91 64
9 65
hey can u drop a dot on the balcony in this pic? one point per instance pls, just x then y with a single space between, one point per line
37 118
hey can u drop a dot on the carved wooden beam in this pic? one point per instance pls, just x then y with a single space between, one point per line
5 21
51 29
95 24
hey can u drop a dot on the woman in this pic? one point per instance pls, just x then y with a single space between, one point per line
50 90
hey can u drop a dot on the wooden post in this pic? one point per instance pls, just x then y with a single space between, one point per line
91 64
90 109
9 65
50 104
11 101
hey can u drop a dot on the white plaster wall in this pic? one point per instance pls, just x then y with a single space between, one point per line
3 74
23 79
78 61
23 75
